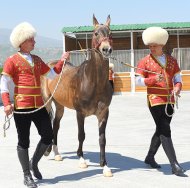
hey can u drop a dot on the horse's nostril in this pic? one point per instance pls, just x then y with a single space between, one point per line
107 50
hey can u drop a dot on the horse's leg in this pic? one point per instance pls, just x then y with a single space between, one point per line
81 138
102 122
56 124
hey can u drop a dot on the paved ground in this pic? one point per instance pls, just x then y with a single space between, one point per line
129 130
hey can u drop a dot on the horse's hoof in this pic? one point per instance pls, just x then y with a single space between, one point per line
58 158
83 165
108 174
46 153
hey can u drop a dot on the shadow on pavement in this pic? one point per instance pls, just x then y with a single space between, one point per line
116 162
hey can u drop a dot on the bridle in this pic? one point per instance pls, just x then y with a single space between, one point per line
98 37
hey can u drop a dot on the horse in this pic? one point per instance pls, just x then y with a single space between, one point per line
86 89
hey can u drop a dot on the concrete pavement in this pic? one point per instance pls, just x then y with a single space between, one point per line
129 130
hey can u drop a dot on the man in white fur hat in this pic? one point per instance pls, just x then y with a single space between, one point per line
25 69
161 88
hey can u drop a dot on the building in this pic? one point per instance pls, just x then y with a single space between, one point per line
129 48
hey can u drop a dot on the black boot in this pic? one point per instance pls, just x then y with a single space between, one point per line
170 152
40 150
24 161
154 145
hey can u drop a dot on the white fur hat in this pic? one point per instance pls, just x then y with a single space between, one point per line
20 33
111 65
155 35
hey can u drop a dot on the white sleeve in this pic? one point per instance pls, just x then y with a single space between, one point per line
6 83
51 74
139 81
177 78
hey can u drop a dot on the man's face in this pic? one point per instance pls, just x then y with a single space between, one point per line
156 49
28 45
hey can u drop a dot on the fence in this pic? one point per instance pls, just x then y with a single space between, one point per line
120 55
183 57
124 80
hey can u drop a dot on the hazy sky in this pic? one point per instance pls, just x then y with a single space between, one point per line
50 16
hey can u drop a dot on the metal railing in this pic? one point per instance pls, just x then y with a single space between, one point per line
182 55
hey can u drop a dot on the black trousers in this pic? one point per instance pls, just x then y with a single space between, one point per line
161 120
42 122
112 85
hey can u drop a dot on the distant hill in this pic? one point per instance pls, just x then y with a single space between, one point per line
41 42
48 49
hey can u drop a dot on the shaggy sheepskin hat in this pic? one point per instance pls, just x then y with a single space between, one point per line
111 65
155 35
22 32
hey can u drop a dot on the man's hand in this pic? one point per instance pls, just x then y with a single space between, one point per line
176 91
65 56
8 109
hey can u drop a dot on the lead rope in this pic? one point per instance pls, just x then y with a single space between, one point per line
6 124
173 106
134 66
169 97
166 107
169 102
176 100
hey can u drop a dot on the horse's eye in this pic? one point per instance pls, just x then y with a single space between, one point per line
96 33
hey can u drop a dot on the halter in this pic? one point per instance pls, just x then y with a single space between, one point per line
98 42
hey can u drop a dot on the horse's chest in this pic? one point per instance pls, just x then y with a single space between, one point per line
93 100
93 106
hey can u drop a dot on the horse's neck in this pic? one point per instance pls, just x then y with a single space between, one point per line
99 68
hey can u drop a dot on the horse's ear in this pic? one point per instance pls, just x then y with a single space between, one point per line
108 21
95 22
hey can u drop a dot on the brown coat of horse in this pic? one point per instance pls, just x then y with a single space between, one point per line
87 90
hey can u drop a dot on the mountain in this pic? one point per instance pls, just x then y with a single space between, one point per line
48 49
4 36
41 42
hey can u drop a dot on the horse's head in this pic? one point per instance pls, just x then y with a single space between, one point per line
101 39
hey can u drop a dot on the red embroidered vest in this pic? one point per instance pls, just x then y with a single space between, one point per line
27 92
159 92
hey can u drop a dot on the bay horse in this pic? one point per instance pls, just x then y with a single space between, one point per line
87 90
